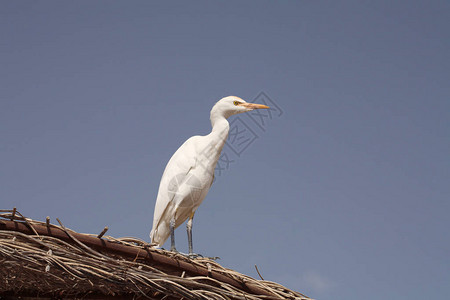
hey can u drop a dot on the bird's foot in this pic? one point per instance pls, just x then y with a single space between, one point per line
190 255
213 258
194 255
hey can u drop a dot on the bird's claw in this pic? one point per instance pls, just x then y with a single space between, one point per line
194 255
191 255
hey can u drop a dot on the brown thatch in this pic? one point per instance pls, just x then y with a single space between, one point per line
39 259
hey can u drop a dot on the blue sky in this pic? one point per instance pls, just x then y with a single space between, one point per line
345 195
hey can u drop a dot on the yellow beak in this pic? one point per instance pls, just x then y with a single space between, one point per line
254 105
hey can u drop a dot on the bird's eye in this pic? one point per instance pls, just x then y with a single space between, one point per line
236 103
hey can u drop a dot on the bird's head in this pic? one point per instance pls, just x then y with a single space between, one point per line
232 105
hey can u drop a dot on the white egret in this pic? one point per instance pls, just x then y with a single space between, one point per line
190 173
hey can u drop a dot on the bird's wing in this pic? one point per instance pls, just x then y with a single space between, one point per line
176 172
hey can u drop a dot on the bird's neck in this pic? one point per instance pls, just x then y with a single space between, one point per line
220 128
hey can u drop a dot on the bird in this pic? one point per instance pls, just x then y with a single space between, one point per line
189 174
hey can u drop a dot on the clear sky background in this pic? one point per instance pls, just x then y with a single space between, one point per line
345 195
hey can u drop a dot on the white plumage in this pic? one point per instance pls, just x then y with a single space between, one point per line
190 173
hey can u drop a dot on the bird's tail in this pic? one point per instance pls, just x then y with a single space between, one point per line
154 238
159 235
152 234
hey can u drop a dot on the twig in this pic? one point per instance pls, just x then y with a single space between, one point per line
256 267
103 232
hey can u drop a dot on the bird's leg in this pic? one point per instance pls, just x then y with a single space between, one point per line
189 233
172 235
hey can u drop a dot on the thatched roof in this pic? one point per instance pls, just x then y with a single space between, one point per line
39 259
